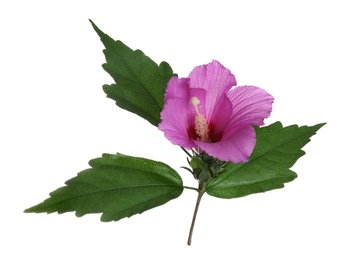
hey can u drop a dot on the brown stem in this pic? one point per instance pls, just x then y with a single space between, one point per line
201 193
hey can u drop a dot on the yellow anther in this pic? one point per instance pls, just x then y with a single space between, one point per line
201 126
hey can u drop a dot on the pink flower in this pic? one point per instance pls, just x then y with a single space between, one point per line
203 111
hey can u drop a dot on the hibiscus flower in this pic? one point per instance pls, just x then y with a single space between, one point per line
206 112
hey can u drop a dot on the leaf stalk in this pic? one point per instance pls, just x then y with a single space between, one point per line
190 188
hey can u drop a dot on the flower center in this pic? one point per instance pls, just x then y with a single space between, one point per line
201 126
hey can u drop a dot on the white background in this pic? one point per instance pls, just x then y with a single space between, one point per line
55 117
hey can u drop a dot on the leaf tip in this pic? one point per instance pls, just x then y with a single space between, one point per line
92 23
97 30
33 209
318 126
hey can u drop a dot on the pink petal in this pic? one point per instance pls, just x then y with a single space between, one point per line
235 148
221 114
178 114
174 122
177 88
251 105
215 79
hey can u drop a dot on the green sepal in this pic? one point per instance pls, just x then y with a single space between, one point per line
205 167
196 163
277 149
139 82
117 186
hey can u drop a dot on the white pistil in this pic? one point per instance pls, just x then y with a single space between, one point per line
201 126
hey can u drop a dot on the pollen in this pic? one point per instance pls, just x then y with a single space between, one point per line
201 126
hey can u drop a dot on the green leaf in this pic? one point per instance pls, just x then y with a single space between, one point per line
276 150
139 82
117 186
